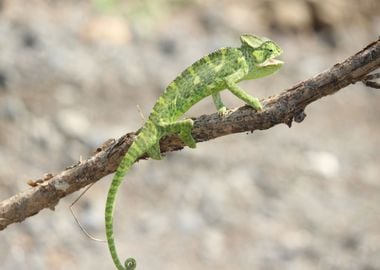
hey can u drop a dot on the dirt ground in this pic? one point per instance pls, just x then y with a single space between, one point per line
71 76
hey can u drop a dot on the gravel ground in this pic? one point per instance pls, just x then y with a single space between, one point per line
71 75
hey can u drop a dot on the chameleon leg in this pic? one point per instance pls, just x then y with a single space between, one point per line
219 103
155 152
183 129
240 93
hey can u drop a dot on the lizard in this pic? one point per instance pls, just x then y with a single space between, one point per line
217 71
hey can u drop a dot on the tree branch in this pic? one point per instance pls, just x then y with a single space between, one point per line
282 108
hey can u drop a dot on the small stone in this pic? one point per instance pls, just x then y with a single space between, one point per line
73 123
109 29
12 108
189 220
325 163
213 244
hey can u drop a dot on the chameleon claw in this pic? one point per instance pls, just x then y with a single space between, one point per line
154 152
188 140
224 112
256 104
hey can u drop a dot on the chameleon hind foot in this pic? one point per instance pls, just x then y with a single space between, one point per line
187 139
185 132
154 152
183 129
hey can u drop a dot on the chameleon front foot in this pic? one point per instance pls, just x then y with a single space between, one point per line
255 103
224 112
240 93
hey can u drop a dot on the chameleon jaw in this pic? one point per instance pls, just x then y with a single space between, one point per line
271 62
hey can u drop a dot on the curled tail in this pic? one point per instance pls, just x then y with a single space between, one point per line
136 150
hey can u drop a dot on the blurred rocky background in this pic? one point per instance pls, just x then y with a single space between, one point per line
71 76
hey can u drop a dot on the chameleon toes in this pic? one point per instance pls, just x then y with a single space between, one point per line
224 112
154 152
187 139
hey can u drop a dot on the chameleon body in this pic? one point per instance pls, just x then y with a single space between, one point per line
217 71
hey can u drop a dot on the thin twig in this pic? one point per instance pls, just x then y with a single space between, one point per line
77 219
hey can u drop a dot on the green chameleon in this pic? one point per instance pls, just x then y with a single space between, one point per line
217 71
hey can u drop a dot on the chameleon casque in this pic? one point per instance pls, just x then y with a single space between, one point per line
219 70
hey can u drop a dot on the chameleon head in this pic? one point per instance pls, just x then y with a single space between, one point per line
262 52
261 49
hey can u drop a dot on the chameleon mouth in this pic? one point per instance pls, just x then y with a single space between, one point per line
271 62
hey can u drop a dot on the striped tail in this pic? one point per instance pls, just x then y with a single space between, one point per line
142 142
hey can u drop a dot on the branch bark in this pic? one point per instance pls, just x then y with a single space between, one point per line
282 108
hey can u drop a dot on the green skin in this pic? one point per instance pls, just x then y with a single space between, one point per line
208 76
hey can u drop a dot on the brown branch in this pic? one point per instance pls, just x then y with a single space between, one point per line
282 108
